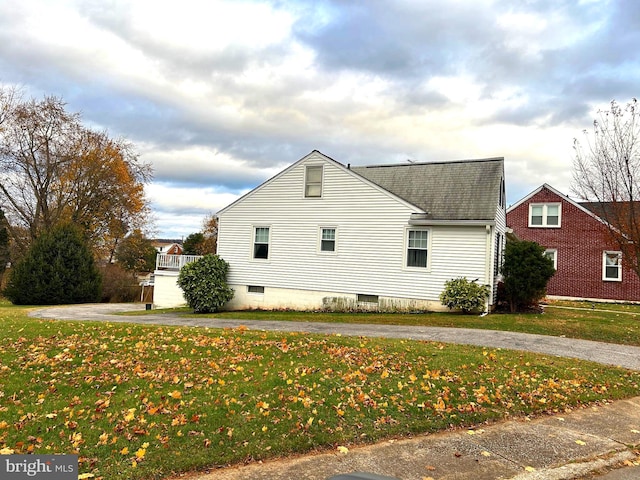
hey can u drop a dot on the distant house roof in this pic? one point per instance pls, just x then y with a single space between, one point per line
610 209
460 190
166 241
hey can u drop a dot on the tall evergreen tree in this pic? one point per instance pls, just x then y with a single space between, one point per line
58 269
526 272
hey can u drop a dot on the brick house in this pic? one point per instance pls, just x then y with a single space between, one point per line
588 262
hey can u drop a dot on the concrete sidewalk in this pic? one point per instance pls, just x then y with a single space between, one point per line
570 446
582 444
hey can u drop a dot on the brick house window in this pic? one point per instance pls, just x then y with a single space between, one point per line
545 215
612 266
552 253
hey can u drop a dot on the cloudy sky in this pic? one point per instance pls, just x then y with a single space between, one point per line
220 95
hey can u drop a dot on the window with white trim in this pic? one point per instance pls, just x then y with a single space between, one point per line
261 242
545 215
552 253
417 248
327 239
612 266
313 181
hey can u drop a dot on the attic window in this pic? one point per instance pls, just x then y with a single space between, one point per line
313 181
545 215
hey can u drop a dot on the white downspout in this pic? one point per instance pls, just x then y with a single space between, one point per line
488 265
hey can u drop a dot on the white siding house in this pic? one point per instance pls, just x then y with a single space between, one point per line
321 234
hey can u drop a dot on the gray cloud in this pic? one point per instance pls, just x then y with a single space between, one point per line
397 40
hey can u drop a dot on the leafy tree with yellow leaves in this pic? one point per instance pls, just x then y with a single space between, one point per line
55 171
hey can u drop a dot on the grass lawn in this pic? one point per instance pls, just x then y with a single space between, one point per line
138 401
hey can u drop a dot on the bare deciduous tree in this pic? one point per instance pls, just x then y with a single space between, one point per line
607 172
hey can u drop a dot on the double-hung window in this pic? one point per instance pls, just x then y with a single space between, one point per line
612 266
545 215
552 254
261 242
328 240
313 181
417 248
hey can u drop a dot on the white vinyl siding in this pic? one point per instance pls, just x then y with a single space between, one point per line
371 255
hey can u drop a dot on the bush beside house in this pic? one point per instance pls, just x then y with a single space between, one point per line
465 295
204 283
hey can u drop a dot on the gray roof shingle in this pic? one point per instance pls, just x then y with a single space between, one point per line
460 190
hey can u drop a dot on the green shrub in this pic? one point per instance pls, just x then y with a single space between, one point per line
58 269
526 271
465 295
204 283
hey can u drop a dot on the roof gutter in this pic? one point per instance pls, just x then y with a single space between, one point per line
417 221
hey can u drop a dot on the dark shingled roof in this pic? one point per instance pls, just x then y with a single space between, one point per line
461 190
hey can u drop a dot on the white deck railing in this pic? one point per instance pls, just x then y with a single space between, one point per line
174 262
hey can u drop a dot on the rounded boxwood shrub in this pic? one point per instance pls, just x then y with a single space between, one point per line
204 283
58 269
465 295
